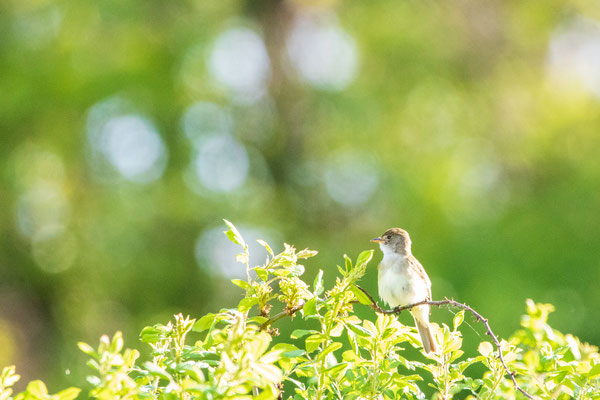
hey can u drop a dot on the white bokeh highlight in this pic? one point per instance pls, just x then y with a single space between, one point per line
239 61
574 55
322 53
43 206
123 144
221 163
351 178
133 146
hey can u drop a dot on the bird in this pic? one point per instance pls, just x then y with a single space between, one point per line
402 280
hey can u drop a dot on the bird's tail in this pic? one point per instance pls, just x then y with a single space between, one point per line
422 321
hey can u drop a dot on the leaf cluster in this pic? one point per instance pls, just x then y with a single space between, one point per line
333 354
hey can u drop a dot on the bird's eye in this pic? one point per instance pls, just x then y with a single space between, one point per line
388 237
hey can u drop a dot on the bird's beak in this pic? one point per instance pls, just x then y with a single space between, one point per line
377 240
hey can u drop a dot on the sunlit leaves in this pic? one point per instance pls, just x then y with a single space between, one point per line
360 295
331 353
458 319
8 377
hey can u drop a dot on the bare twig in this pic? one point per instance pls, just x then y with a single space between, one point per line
478 317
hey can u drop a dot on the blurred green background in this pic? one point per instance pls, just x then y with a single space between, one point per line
130 128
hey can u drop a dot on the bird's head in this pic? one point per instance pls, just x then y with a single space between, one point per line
394 240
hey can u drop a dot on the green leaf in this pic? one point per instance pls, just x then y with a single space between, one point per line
359 330
242 258
306 253
364 257
258 320
350 356
283 347
318 284
338 369
117 342
293 353
313 342
337 330
353 341
268 371
37 389
329 349
297 270
204 323
347 263
310 307
360 296
86 348
155 370
458 319
594 372
67 394
247 303
299 333
262 273
234 235
241 283
297 383
485 348
266 246
8 377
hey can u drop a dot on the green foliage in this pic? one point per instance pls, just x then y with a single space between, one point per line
36 390
333 354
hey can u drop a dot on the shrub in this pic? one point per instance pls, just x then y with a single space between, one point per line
234 354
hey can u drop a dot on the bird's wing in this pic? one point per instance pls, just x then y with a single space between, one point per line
418 268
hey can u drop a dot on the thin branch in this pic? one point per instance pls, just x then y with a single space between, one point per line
477 316
398 310
283 314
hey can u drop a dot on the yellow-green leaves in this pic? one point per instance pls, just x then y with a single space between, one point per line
458 319
36 390
314 341
234 235
8 377
331 353
485 349
360 295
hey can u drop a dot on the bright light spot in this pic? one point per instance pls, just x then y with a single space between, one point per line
42 202
221 163
133 146
215 251
33 165
54 250
240 62
322 52
37 28
480 179
123 143
205 119
44 205
574 55
351 179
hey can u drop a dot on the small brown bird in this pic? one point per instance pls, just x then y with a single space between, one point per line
403 281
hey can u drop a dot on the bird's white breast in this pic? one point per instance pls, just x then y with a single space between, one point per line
399 285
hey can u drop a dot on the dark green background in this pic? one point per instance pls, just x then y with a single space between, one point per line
476 125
